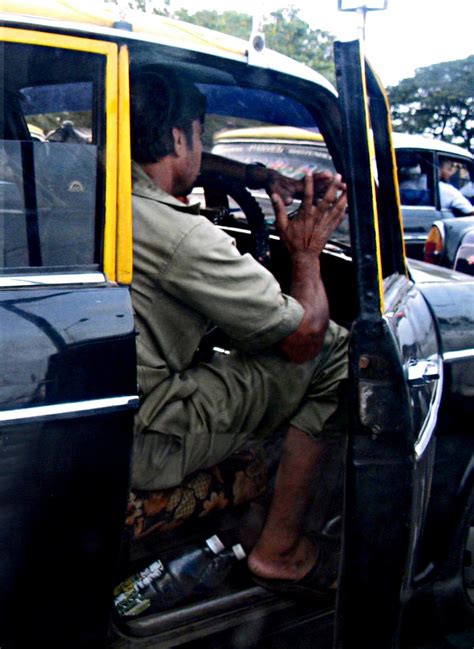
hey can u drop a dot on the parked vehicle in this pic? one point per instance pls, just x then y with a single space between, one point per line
419 160
68 382
295 151
450 243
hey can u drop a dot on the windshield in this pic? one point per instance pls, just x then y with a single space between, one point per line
289 158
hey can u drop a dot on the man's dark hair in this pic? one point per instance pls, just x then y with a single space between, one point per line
157 105
444 161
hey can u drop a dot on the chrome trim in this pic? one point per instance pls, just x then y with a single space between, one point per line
462 354
421 371
415 237
221 350
431 420
419 208
64 409
234 229
52 279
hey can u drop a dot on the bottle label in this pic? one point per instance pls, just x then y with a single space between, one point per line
131 604
129 599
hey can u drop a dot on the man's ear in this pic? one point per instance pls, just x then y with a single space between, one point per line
179 139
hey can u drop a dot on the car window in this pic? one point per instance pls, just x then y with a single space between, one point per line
253 125
415 178
458 173
235 106
51 187
59 112
291 158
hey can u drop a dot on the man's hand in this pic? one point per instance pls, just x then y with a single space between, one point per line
313 224
256 176
290 188
305 237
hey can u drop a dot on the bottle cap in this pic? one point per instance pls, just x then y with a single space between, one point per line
215 544
239 551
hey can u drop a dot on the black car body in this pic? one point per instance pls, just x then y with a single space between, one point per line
68 388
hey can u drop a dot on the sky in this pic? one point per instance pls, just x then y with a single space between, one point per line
409 34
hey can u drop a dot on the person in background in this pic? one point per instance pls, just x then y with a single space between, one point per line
450 197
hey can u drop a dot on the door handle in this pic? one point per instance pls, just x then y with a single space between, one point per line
420 372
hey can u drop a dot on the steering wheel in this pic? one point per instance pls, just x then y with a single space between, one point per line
217 191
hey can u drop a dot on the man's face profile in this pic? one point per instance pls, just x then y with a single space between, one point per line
446 170
191 162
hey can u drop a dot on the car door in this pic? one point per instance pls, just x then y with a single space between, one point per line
395 374
67 373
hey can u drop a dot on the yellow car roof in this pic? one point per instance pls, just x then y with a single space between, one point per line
269 133
107 15
95 18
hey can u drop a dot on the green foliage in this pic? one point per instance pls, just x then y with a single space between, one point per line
284 32
137 5
287 33
438 100
228 22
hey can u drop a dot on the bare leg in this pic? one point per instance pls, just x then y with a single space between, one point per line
282 552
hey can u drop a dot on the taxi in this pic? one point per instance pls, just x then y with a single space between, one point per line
71 530
294 151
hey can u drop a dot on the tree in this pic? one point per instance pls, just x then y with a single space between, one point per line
284 32
438 101
137 5
228 22
287 33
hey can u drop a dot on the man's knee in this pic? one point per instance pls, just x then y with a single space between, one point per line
157 461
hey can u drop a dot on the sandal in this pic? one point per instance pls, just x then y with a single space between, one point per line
319 582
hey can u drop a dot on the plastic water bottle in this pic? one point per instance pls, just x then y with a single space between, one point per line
162 585
218 569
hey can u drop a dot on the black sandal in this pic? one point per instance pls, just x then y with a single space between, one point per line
319 582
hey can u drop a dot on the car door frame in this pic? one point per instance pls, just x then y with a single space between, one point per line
388 465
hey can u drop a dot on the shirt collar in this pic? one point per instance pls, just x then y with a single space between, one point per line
144 186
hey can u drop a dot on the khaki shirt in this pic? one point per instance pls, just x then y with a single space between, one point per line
188 273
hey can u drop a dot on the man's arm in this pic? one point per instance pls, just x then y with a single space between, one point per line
305 237
453 199
461 204
256 176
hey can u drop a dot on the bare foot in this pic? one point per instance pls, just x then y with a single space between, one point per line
251 525
292 564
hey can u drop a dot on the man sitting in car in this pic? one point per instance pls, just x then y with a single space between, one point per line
288 360
450 197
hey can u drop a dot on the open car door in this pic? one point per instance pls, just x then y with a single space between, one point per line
395 374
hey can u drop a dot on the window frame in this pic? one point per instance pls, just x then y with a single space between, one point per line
437 156
107 167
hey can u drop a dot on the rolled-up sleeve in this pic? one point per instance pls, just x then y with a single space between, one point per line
207 272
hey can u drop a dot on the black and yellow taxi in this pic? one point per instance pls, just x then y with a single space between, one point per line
70 530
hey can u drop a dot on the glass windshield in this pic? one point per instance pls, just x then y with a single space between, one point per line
291 159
